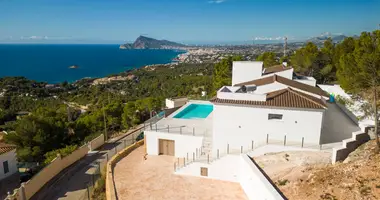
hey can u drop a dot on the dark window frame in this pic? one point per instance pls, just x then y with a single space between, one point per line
272 116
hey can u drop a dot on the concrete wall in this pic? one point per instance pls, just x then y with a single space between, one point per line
311 82
286 74
47 173
243 71
12 163
96 143
337 125
174 103
254 183
349 145
225 169
239 125
183 143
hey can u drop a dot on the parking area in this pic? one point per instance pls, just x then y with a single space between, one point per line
136 178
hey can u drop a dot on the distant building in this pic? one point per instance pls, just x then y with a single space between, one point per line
8 161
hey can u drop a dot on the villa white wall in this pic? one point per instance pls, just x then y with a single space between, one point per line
243 71
337 125
254 183
311 82
225 169
239 125
263 89
12 163
183 143
286 74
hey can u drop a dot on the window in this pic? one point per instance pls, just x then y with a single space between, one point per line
274 117
6 168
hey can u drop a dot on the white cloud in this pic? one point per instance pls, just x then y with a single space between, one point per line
217 1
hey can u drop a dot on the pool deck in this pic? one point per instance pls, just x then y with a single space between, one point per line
201 127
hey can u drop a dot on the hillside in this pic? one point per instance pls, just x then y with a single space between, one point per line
323 37
143 42
356 178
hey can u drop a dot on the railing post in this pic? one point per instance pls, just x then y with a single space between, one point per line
156 127
193 156
175 167
228 148
168 128
187 157
150 124
193 131
107 157
180 130
267 138
88 191
217 153
241 149
196 150
252 144
302 142
184 161
178 162
284 140
208 158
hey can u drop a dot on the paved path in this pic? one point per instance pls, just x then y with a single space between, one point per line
72 183
136 178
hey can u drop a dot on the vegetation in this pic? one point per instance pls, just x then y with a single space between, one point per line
58 118
359 69
269 59
223 72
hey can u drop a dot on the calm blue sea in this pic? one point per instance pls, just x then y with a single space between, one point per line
51 63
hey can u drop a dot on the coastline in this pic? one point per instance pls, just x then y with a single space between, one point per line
94 61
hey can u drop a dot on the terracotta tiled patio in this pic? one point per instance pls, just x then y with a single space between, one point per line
136 178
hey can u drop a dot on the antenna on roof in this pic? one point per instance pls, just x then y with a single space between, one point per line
285 45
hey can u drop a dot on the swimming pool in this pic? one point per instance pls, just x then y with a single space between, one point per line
195 111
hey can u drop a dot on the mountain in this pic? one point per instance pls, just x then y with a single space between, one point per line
324 36
143 42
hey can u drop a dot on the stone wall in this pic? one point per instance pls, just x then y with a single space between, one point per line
110 185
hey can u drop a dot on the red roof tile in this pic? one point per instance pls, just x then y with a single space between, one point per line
286 98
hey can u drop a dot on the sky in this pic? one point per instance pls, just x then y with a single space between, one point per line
187 21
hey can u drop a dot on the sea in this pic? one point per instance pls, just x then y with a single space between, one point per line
50 63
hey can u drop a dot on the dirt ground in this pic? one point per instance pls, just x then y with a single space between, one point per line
309 176
136 178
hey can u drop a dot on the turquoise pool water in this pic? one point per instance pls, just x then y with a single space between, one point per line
195 111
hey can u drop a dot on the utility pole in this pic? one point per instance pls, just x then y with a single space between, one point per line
105 123
285 45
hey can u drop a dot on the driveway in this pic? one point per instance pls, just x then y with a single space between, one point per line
136 178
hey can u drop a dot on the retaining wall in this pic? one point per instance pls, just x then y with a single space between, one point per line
110 185
28 189
255 183
349 145
47 173
96 143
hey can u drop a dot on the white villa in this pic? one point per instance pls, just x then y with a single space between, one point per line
262 106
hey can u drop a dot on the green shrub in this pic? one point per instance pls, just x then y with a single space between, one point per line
51 155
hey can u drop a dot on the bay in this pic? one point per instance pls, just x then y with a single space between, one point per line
50 63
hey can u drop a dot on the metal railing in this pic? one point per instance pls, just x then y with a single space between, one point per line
208 158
